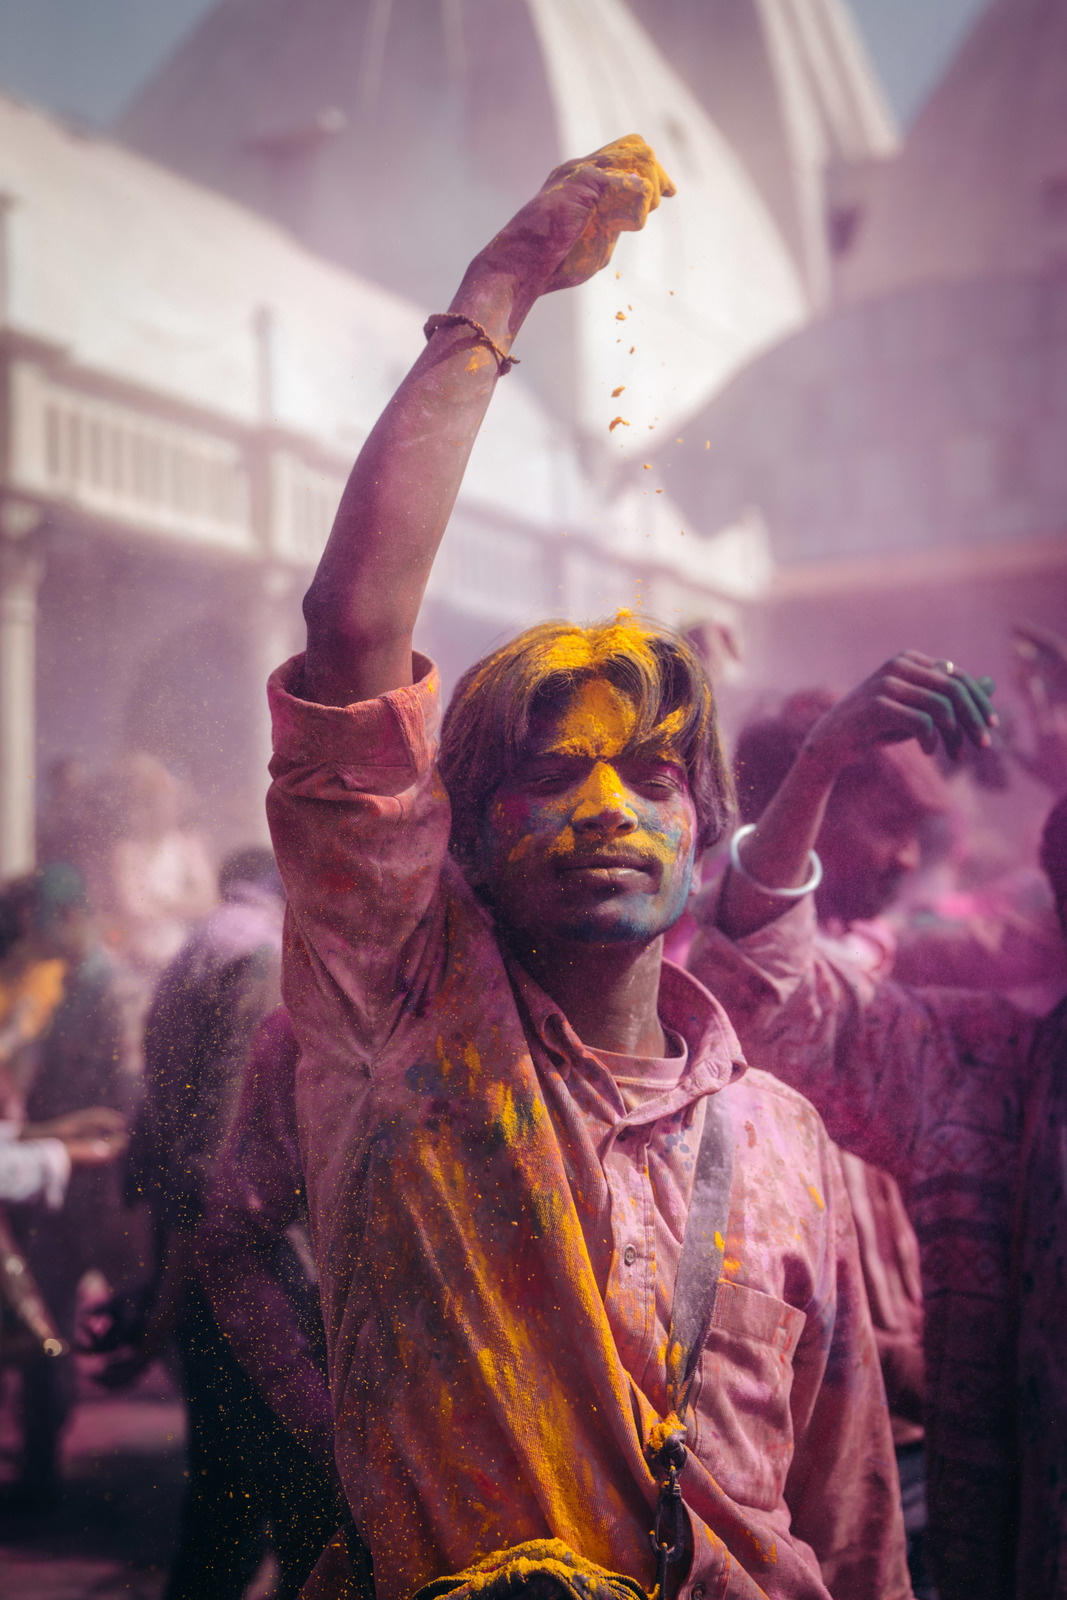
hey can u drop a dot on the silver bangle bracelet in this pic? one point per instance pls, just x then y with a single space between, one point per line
814 876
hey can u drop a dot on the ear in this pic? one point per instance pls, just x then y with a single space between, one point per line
696 882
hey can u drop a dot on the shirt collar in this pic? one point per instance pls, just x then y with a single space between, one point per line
715 1057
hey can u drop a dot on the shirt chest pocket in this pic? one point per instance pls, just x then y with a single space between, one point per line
740 1401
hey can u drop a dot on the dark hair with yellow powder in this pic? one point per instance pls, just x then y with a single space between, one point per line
488 720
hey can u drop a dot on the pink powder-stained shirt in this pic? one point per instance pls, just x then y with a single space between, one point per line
497 1235
931 1086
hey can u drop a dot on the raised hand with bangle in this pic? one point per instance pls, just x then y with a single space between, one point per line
913 696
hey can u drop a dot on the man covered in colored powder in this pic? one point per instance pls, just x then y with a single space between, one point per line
505 1094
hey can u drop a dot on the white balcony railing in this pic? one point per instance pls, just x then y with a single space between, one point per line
126 465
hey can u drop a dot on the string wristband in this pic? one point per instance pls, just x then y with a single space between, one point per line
456 319
814 874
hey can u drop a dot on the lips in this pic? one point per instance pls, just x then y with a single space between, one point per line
610 869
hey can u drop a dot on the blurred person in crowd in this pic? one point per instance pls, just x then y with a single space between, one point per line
255 1263
68 821
36 1162
933 1086
1040 657
529 1143
76 1062
151 878
1041 1273
207 1006
869 844
31 987
154 876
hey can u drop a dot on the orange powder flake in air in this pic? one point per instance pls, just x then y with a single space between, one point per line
620 316
617 422
615 393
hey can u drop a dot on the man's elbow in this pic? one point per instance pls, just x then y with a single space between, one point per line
337 630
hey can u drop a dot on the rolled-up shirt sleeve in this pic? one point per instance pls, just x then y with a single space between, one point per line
360 823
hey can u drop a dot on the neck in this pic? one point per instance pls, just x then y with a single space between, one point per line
608 993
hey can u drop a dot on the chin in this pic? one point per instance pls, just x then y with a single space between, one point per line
615 924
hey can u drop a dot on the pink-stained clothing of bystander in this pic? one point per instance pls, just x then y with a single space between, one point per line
497 1234
929 1085
255 1212
1041 1269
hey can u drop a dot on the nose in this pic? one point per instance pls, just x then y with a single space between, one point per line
603 804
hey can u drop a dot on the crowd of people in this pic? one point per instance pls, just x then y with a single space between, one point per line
570 1160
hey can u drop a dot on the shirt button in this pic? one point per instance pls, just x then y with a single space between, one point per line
629 1255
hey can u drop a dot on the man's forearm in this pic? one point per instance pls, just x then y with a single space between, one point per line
362 605
778 852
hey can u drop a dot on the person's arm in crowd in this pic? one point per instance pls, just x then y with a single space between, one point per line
365 597
36 1159
911 697
875 1059
258 1195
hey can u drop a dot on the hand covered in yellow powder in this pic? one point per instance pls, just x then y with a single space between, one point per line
633 184
568 230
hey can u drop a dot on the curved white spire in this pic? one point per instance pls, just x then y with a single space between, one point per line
709 282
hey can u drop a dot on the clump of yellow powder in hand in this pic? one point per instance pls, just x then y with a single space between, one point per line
623 207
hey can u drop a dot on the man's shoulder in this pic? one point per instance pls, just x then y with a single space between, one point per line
761 1092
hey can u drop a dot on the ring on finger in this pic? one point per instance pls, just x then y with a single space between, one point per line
946 666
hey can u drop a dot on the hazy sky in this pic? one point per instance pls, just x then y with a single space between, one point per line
86 58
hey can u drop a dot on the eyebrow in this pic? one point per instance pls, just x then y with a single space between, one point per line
647 750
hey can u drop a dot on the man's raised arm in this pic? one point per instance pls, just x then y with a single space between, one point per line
911 697
365 597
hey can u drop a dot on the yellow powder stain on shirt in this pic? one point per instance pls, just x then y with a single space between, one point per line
720 1242
817 1197
473 1062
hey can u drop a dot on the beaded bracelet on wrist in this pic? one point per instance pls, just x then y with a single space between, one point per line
456 319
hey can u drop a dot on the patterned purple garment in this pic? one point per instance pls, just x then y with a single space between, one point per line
930 1085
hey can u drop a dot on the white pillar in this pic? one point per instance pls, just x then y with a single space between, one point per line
274 629
21 569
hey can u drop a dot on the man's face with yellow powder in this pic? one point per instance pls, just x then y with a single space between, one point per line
591 840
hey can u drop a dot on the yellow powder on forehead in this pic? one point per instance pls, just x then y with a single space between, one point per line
598 720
